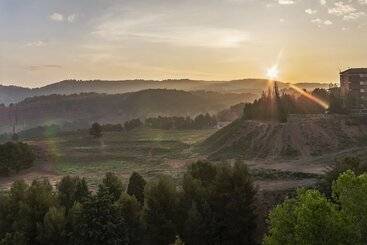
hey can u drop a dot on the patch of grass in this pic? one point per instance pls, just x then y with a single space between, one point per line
143 150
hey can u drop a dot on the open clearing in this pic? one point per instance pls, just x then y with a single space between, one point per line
153 153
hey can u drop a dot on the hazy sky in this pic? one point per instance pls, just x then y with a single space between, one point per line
44 41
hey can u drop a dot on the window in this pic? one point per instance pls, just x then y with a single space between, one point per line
363 83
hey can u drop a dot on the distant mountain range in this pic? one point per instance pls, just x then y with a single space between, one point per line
14 94
80 110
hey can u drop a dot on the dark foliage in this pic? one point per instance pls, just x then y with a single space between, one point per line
96 130
136 187
220 203
133 124
15 157
215 206
100 222
202 121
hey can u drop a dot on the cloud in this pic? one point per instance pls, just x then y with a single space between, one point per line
72 18
353 16
56 17
61 18
41 67
316 21
310 11
341 9
321 22
36 44
328 22
158 29
286 2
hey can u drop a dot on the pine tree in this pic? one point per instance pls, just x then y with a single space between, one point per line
96 130
113 185
136 187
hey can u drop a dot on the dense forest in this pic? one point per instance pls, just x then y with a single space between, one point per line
60 109
14 94
214 204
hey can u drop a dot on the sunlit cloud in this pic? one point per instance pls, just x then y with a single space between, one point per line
36 44
56 17
71 18
353 16
310 11
154 29
341 9
286 2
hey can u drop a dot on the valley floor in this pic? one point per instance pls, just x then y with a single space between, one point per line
155 152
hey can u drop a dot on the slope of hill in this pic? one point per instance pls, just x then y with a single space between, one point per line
11 94
300 137
89 107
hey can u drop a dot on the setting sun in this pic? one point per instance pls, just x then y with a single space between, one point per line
272 73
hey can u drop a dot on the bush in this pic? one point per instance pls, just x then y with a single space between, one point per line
15 157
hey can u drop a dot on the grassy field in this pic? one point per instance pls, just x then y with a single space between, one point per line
150 152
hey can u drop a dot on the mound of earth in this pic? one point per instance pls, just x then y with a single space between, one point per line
302 136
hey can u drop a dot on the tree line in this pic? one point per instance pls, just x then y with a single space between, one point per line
215 205
275 106
201 121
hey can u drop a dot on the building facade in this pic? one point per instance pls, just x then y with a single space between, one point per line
353 83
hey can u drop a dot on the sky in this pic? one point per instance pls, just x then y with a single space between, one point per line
45 41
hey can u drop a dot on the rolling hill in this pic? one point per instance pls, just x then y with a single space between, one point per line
82 109
13 94
301 137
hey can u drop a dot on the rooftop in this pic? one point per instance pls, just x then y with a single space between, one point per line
355 71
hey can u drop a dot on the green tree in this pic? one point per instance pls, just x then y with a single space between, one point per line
100 222
136 187
113 185
96 130
220 200
160 211
339 167
350 191
71 190
309 219
15 157
131 211
53 230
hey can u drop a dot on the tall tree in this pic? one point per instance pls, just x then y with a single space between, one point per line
160 211
100 222
113 185
220 200
136 187
132 213
96 130
71 190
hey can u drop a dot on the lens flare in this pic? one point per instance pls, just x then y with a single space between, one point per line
272 73
310 96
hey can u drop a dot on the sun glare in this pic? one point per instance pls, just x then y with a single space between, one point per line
272 73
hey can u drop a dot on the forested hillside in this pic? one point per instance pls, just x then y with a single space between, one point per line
12 94
91 107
